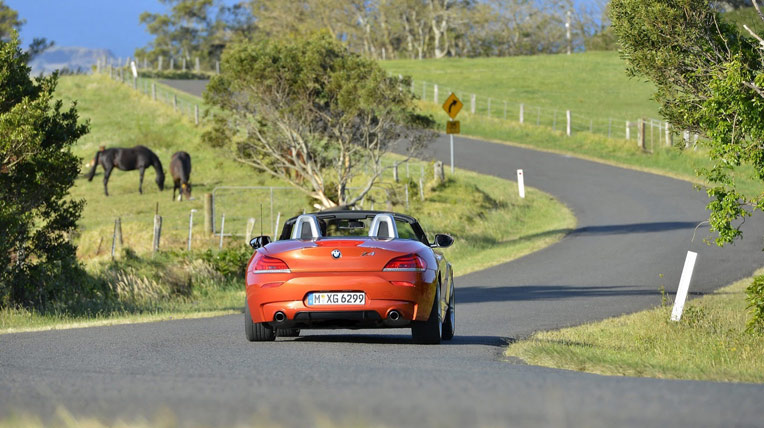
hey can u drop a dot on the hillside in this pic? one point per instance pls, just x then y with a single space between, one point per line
591 84
67 57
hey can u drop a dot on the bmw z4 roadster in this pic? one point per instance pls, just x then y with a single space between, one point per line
350 269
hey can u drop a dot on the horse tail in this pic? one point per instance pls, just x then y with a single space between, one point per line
92 172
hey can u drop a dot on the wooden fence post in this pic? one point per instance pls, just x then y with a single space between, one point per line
435 94
395 172
628 130
196 114
421 190
472 104
114 238
438 172
641 133
250 228
222 230
208 220
157 233
153 91
669 137
522 113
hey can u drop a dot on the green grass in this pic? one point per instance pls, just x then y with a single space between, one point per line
474 208
709 343
592 84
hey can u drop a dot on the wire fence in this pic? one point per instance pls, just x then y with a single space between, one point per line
558 119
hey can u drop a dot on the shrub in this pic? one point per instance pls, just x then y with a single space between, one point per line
38 266
230 262
755 298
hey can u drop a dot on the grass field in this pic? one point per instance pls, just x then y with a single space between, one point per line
592 84
471 207
709 343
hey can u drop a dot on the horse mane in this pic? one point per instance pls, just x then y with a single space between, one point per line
157 164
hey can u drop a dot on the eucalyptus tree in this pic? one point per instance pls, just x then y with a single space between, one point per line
710 80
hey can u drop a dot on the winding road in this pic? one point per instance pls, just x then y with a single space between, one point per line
633 232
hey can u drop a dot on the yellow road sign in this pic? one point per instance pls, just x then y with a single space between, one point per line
452 127
452 106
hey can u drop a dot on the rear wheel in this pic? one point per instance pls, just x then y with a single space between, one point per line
449 321
429 332
256 332
288 332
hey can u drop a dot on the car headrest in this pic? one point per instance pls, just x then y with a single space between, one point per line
306 227
383 227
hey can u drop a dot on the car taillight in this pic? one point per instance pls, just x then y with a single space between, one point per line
407 263
266 264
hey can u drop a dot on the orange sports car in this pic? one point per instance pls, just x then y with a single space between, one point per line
350 269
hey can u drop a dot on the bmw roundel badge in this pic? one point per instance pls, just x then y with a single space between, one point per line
336 254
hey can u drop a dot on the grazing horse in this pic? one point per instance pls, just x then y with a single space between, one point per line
180 168
138 157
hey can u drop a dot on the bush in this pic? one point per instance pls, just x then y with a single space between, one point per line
755 298
230 262
38 266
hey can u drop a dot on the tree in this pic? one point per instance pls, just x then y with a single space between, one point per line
192 29
710 80
313 114
10 23
37 169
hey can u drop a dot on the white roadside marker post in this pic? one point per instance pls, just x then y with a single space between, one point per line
521 183
684 286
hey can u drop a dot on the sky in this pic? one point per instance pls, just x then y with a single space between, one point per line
109 24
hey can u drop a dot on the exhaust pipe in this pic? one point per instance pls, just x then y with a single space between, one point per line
279 316
394 315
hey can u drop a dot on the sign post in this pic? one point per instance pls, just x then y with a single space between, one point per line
452 107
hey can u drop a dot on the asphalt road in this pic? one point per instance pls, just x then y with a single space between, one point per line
633 232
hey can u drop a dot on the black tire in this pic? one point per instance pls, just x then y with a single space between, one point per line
449 320
288 332
429 332
256 332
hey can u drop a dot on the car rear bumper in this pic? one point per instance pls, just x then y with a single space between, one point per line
387 304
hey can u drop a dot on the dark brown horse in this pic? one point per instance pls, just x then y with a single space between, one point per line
180 169
138 157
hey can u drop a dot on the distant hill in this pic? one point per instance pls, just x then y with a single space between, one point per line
67 57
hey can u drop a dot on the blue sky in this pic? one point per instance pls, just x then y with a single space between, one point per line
110 24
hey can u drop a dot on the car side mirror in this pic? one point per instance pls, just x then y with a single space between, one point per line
442 241
259 241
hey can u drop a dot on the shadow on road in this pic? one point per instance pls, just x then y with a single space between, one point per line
620 229
477 294
382 339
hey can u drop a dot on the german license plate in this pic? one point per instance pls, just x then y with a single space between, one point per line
317 299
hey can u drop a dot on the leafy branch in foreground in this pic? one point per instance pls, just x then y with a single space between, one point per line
710 80
313 114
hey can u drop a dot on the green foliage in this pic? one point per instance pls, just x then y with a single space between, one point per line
312 113
37 169
192 29
9 22
229 262
755 298
709 80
